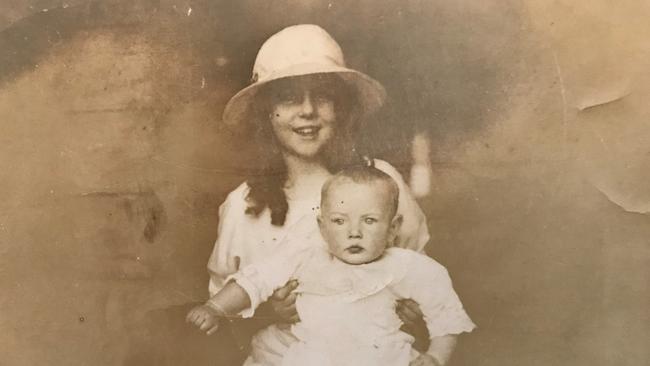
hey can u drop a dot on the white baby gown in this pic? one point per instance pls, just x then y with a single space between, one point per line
347 312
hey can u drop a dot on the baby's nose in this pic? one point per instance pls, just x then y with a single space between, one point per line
355 233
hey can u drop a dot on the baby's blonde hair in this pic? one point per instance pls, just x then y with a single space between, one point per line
365 175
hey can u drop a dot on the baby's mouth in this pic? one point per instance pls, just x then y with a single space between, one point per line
354 249
307 131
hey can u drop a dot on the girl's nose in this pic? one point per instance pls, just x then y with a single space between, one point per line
307 107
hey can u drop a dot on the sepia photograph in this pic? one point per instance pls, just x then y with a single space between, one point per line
324 183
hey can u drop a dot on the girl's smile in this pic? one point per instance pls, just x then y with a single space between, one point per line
309 132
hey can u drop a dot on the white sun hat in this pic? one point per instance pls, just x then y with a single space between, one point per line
299 50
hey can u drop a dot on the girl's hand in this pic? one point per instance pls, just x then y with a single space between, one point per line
425 360
204 317
411 315
283 303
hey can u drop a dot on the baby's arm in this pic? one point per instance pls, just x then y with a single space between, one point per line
439 352
229 301
428 284
247 289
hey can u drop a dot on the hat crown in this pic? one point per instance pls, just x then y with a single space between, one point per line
293 46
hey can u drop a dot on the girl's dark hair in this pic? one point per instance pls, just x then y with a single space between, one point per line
266 184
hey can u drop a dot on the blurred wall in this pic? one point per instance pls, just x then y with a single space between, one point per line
113 165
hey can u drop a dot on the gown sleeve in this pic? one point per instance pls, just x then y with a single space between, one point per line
428 283
224 259
262 278
414 233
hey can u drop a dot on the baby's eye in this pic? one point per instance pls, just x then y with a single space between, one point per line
338 221
370 220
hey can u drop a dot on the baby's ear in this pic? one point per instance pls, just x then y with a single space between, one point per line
393 231
396 223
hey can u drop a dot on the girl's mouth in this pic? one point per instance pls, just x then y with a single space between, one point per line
307 131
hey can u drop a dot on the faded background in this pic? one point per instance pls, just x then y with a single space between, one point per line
113 165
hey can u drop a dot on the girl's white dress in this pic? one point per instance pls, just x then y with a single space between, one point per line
244 239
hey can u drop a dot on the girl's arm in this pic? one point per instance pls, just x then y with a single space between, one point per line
232 233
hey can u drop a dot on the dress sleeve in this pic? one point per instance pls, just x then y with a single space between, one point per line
224 260
428 283
262 278
414 233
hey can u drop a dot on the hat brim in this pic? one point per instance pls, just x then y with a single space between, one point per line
370 93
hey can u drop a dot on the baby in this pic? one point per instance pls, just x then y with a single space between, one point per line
349 280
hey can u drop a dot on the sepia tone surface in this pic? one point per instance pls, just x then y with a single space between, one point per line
113 164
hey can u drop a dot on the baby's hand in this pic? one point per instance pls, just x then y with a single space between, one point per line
425 360
204 317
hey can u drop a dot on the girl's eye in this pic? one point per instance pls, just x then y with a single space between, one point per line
323 96
287 97
338 221
370 220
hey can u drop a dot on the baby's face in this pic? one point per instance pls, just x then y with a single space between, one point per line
357 220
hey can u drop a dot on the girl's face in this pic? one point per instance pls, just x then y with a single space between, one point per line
303 114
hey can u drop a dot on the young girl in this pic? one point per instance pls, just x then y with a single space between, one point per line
300 113
348 283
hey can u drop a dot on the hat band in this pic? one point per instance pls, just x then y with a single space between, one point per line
299 70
